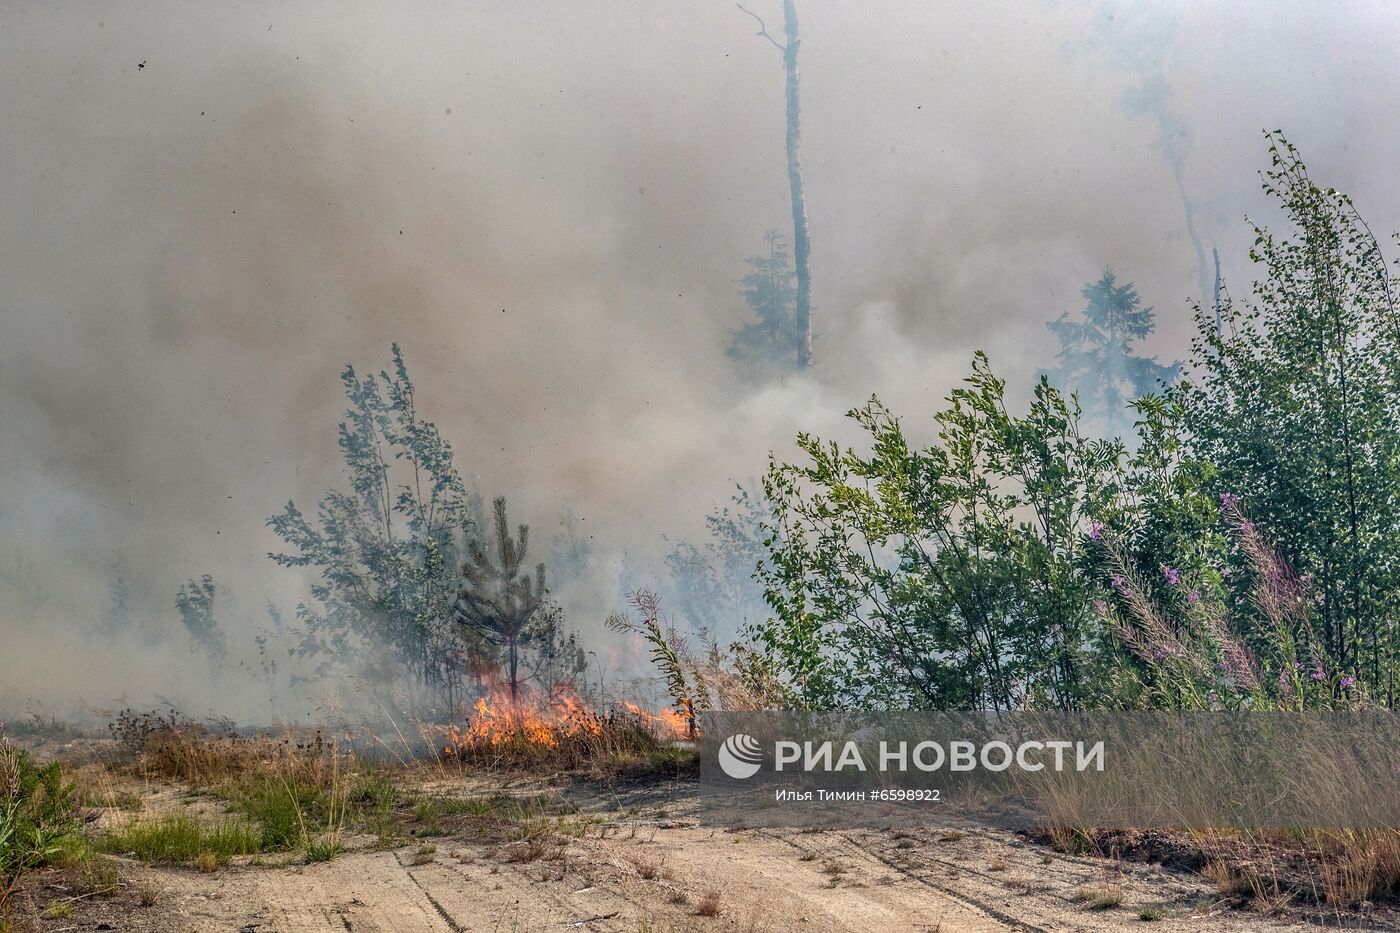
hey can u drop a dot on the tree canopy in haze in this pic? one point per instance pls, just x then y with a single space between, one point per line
388 547
1097 358
770 344
994 563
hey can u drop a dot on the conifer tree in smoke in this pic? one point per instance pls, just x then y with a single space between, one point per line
502 604
1097 358
770 344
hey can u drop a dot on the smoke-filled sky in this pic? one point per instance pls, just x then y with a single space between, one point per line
211 208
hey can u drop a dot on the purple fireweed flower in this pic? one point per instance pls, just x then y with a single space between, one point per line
1283 680
1317 674
1172 574
1229 499
1348 681
1095 530
1117 581
1100 605
1194 596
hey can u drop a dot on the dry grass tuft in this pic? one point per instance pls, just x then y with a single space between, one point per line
1358 865
1099 897
709 904
96 877
148 894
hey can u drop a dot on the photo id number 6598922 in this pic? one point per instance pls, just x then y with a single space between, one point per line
902 794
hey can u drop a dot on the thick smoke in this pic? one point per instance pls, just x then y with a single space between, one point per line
213 209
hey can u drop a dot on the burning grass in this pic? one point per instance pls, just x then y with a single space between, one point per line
302 790
557 731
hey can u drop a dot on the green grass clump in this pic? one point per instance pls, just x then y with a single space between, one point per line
179 839
430 808
286 810
371 803
322 850
371 795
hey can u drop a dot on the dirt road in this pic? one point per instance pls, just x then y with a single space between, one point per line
648 866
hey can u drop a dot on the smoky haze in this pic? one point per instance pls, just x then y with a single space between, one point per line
212 208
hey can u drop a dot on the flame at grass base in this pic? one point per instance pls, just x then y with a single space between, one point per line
558 718
531 718
667 723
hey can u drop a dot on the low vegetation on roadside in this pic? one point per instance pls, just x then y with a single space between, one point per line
39 821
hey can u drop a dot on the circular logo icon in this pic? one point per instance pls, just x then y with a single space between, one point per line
740 756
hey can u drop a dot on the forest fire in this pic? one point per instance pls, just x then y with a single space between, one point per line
530 718
549 720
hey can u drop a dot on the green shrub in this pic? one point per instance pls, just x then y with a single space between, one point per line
38 816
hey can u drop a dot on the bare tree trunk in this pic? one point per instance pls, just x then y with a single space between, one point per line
1215 254
514 674
801 244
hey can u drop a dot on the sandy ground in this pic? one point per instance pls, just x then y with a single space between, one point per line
646 865
763 880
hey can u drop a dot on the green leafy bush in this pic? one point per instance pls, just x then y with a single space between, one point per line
964 571
38 816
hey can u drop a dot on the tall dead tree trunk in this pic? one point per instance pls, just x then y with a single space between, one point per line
1219 325
801 241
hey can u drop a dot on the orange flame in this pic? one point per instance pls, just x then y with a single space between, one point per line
547 720
668 722
530 718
